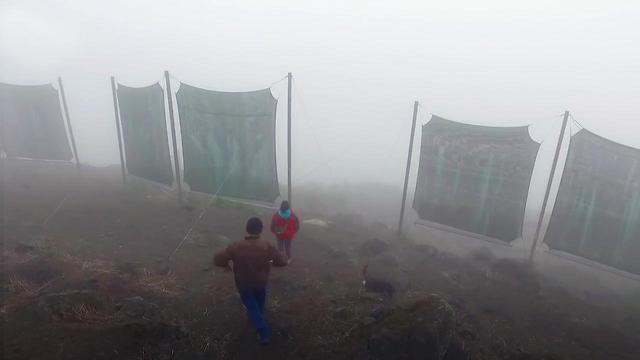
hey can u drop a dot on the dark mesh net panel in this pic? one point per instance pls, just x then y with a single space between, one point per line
475 178
597 210
228 142
31 123
144 128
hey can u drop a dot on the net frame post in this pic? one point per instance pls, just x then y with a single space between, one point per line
536 237
408 169
66 115
116 111
289 187
174 140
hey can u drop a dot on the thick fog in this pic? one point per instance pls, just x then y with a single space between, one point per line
357 65
102 264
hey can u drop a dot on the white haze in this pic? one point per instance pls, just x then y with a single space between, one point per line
358 67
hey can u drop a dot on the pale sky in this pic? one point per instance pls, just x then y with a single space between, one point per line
358 67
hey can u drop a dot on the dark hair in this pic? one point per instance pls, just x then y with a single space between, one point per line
254 226
284 206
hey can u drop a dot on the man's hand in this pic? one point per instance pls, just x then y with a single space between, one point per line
229 266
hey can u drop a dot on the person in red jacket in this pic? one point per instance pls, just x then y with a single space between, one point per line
285 225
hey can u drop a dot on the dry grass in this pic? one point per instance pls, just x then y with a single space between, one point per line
20 291
86 313
18 285
219 347
10 258
162 284
82 312
98 266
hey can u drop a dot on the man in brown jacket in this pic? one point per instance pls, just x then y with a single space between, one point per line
251 261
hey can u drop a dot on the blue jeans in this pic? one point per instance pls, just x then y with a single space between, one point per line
253 301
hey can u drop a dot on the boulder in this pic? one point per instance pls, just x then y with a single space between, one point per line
382 274
374 247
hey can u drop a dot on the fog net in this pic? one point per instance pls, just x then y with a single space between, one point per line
31 123
597 210
228 142
144 129
475 178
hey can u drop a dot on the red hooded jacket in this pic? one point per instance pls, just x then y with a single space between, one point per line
285 228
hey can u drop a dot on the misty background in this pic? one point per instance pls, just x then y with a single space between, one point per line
357 66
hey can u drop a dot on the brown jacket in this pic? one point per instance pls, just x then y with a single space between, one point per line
251 262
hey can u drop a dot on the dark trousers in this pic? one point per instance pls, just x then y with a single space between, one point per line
284 245
253 301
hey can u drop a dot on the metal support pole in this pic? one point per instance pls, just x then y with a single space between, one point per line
176 161
408 170
66 114
3 193
548 191
3 184
289 196
117 112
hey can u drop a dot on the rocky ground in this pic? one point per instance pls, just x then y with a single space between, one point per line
90 271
